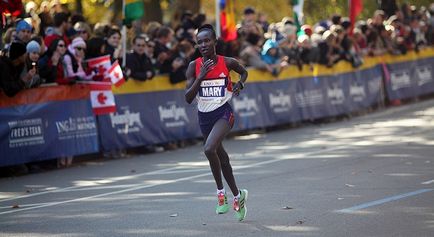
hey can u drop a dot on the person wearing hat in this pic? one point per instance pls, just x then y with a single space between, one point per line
33 52
24 32
74 58
11 67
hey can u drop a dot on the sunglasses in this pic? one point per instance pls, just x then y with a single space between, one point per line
140 45
61 45
79 48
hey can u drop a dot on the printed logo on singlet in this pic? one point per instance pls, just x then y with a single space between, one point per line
214 87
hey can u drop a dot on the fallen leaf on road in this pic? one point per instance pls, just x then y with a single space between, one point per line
174 215
133 171
287 208
300 222
16 206
203 223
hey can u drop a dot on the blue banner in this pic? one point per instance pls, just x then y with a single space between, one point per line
409 79
148 118
45 131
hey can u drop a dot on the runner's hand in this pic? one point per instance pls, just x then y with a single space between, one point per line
205 68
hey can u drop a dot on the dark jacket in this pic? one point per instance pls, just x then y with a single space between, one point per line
139 66
10 82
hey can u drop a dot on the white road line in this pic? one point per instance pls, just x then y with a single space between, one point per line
138 187
382 201
428 182
56 190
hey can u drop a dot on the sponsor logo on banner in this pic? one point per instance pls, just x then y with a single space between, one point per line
126 122
74 128
424 75
27 132
374 85
335 94
245 106
309 98
172 115
400 79
280 102
357 92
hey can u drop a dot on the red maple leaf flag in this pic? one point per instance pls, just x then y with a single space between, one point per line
100 64
115 74
102 98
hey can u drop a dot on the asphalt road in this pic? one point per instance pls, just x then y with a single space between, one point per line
372 175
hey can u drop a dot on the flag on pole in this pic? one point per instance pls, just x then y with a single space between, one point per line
13 7
115 74
102 98
227 20
100 64
356 6
297 8
134 9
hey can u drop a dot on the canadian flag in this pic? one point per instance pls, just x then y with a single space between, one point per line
100 64
115 74
102 98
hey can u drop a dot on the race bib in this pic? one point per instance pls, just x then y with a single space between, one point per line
213 88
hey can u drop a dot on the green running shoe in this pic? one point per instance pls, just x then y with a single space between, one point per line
240 205
222 205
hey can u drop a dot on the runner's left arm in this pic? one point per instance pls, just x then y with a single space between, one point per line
234 65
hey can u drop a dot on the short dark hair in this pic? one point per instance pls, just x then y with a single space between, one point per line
163 31
59 18
113 31
249 10
141 37
207 27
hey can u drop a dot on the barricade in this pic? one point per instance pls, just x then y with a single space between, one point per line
49 122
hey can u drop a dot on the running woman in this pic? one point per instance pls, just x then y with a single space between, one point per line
209 82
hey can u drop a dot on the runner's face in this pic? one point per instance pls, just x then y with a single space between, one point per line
206 43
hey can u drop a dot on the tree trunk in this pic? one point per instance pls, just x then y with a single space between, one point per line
182 6
153 11
79 6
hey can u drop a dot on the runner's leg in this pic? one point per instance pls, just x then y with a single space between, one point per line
212 142
227 169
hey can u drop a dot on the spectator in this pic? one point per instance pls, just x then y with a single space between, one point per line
152 29
73 60
328 55
113 44
262 20
83 30
182 56
31 64
251 54
11 67
41 43
270 55
51 64
139 66
61 26
308 53
45 17
162 51
24 32
10 34
95 47
101 30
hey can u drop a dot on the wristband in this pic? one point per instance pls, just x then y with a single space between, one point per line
241 85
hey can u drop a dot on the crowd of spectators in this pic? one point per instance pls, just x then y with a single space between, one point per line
48 44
